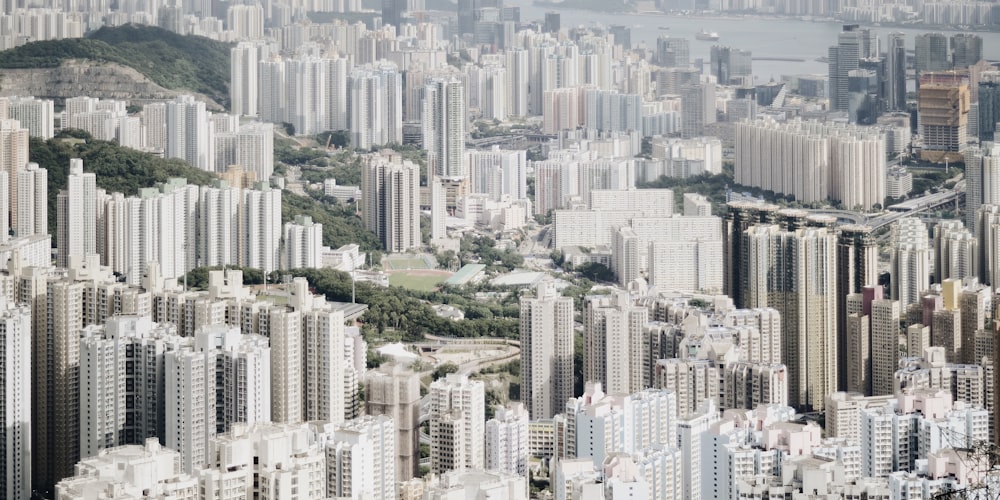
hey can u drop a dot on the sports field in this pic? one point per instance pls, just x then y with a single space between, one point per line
398 262
421 279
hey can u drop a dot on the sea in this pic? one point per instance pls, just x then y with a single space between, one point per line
764 37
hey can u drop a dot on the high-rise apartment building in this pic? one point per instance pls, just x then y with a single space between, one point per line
15 419
36 115
76 221
813 161
911 261
189 133
390 189
13 159
260 220
395 392
360 459
32 202
498 172
612 339
303 243
507 441
245 59
547 351
857 267
375 105
457 423
806 300
982 185
444 128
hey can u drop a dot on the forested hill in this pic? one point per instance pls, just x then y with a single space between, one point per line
172 61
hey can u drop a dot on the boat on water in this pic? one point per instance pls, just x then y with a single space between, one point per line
705 36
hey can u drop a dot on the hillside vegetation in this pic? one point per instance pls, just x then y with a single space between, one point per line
170 60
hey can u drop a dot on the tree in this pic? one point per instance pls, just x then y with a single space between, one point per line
443 370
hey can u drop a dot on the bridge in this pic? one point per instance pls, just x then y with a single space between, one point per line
909 208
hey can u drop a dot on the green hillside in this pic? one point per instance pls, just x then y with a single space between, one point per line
170 60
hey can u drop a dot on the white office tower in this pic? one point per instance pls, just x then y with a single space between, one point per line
250 146
375 105
444 118
303 243
219 225
76 221
612 342
189 133
261 217
15 436
154 122
244 78
911 261
265 461
982 180
360 459
36 115
222 378
159 225
507 441
806 300
498 172
457 423
323 374
395 392
13 158
246 22
516 64
813 161
390 189
546 328
599 425
133 471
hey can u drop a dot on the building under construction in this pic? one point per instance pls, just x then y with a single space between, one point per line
943 104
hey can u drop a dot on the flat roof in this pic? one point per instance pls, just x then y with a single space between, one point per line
465 274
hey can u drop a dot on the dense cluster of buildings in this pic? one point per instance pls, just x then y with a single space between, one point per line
699 372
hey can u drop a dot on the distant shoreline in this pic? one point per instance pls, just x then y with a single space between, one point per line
760 16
